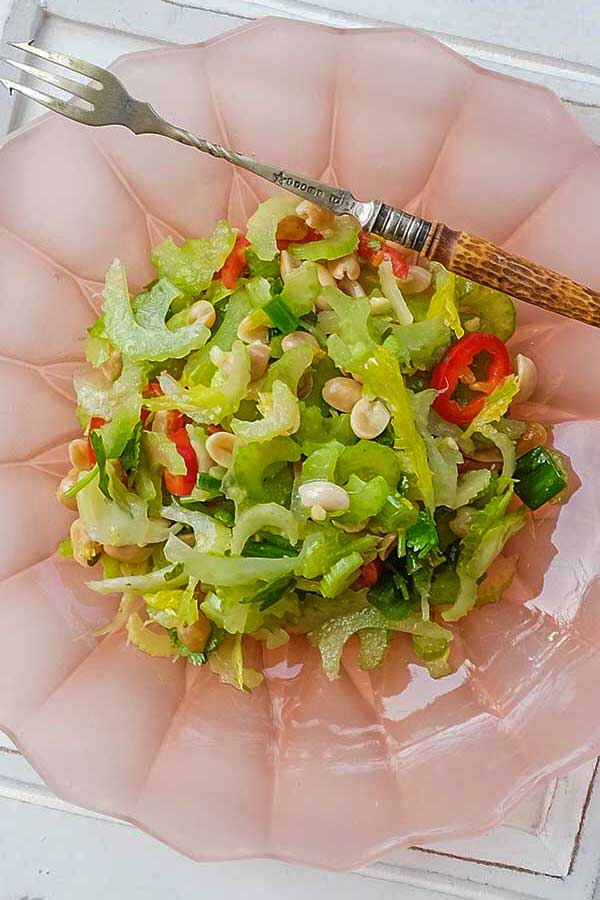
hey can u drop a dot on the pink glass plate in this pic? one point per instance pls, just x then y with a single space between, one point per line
332 774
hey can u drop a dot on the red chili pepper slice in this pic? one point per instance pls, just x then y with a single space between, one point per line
235 263
175 419
456 361
369 575
182 485
95 422
311 235
153 389
376 251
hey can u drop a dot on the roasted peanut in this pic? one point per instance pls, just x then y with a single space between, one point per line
315 216
128 553
345 265
85 551
196 635
369 418
341 393
324 494
202 311
220 447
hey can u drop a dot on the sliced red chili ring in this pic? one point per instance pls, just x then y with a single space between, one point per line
457 360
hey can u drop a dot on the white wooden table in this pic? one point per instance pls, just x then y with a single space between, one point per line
550 846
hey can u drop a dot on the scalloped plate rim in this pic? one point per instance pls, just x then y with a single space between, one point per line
371 853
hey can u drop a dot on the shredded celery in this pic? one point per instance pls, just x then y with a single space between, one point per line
192 266
199 442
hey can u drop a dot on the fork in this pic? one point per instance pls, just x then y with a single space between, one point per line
105 101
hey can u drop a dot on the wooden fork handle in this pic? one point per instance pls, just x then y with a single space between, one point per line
479 260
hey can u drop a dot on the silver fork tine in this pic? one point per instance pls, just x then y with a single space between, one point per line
63 59
114 105
76 88
53 103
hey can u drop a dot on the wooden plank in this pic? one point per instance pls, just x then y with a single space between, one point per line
544 832
562 31
574 76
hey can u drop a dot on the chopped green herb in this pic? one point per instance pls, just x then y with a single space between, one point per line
391 597
98 447
539 477
281 315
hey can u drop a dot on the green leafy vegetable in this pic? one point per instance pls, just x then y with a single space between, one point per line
382 378
281 416
199 368
422 537
333 634
290 367
317 429
97 346
301 289
341 574
210 535
434 652
496 404
262 225
324 545
391 597
397 513
227 661
121 522
366 498
145 336
418 346
340 241
98 448
256 470
217 570
272 593
281 315
489 530
259 268
263 515
191 267
484 309
367 460
151 642
352 343
161 451
374 645
321 464
130 457
212 404
139 584
443 305
172 607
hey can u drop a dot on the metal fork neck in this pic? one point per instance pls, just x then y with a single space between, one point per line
397 225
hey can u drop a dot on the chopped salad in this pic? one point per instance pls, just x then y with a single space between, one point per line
302 430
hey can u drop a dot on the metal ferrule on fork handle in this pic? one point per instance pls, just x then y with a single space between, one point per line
397 225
